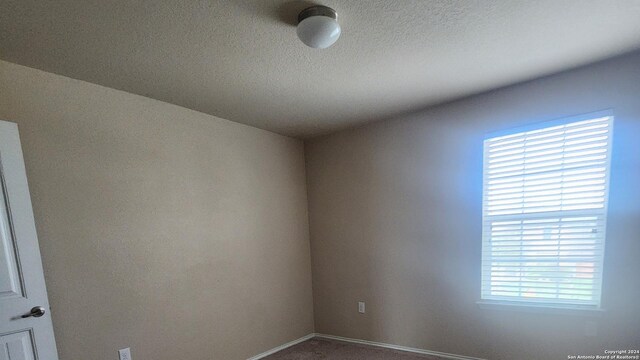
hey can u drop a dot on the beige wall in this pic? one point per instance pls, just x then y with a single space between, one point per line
184 236
395 219
181 235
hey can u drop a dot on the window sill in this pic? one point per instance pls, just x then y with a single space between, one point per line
541 309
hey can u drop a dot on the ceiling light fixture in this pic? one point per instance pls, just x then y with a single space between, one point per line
318 27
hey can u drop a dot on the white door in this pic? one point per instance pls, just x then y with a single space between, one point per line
26 332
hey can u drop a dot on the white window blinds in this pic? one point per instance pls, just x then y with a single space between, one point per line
544 214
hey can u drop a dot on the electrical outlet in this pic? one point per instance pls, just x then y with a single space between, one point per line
361 307
125 354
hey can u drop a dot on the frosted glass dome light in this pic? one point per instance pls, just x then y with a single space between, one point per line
318 27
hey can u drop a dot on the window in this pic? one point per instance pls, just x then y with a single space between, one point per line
544 213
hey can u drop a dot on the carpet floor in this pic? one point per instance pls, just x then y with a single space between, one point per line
325 349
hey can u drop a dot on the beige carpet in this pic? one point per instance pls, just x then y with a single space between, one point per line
318 348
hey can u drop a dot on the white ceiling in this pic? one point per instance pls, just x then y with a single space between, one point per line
242 61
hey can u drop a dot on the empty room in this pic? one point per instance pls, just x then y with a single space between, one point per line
319 180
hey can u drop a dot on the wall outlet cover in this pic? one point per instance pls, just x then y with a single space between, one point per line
125 354
361 307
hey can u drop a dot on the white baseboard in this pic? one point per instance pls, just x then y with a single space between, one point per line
398 347
364 342
282 347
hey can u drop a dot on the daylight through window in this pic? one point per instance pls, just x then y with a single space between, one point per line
544 214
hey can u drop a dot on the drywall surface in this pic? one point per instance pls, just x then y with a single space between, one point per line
396 218
175 233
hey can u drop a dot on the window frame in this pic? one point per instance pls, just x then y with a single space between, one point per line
547 306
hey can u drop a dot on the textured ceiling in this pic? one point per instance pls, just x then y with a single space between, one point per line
242 61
